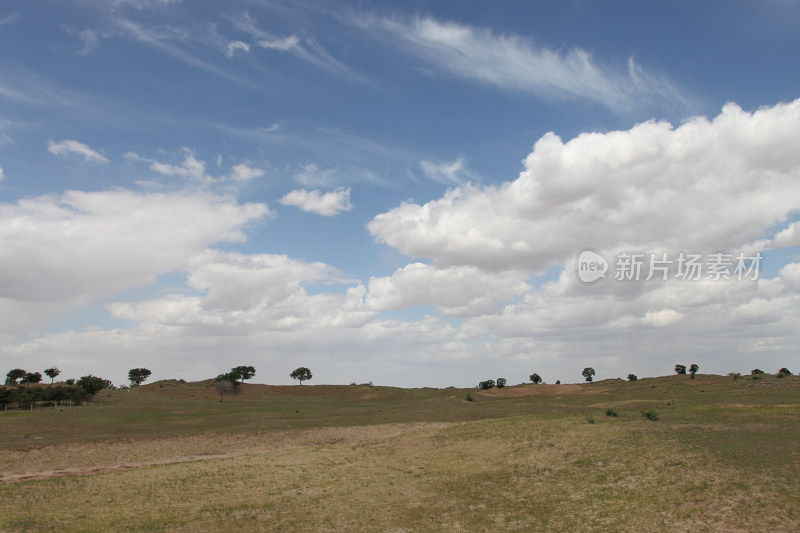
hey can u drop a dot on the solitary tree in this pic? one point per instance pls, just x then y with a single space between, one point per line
784 372
301 374
501 382
693 368
587 373
756 371
14 375
223 387
93 384
137 376
51 373
680 369
32 377
632 377
536 378
242 373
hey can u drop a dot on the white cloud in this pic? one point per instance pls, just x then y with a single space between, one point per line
236 45
458 291
651 188
2 174
11 18
243 172
66 147
451 173
61 251
284 44
326 204
191 168
517 63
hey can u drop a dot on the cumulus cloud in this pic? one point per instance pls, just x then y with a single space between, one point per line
243 172
653 187
67 147
191 168
65 250
517 63
326 204
245 294
458 291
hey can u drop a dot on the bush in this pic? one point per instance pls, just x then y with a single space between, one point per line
486 385
632 377
612 412
756 371
469 397
501 382
650 415
558 382
784 373
735 375
589 419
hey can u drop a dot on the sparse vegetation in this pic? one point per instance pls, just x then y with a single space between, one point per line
353 458
650 415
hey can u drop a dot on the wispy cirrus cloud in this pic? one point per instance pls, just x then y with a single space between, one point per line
454 172
68 146
517 63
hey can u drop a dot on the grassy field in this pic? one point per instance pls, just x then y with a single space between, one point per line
723 455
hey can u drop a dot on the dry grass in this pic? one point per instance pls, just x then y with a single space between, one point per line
724 459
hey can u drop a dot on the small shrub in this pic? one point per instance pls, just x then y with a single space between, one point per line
757 376
784 373
589 419
735 375
469 397
650 415
486 385
612 412
558 382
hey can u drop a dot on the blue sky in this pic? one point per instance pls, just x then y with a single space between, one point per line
394 192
